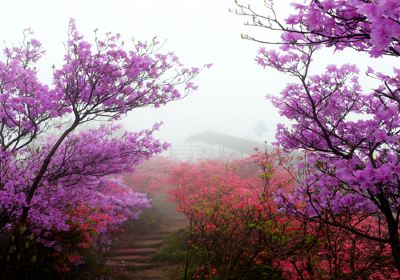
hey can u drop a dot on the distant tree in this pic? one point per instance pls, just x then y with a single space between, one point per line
151 177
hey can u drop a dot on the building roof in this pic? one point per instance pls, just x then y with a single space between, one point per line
234 143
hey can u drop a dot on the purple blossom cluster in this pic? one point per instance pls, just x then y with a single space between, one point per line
363 25
45 176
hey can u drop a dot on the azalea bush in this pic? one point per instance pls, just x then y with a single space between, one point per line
60 186
91 226
237 229
233 226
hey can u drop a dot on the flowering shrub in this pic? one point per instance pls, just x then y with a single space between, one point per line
230 219
237 231
90 225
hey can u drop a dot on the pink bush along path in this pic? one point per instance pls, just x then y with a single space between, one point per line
221 200
43 176
236 224
352 163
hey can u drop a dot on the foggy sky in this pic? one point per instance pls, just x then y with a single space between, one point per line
231 95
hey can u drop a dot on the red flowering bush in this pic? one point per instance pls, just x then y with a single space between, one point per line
90 224
231 221
237 231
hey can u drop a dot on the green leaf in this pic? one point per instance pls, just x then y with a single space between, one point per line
13 248
208 211
252 225
22 229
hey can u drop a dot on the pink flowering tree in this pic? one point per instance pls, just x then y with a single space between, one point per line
47 164
350 135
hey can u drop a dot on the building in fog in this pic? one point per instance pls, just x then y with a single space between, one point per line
214 145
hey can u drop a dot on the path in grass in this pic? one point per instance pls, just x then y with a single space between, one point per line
132 253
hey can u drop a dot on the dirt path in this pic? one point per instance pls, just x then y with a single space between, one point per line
131 255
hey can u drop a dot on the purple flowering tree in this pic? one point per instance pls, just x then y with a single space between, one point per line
350 135
42 174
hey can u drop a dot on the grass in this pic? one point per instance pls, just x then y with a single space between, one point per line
174 249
